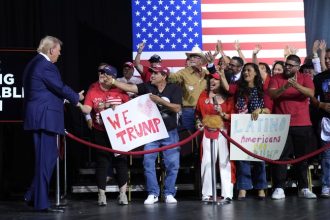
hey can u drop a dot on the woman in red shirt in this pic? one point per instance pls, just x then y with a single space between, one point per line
214 102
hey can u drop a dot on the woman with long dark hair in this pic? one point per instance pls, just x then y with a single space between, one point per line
215 107
250 99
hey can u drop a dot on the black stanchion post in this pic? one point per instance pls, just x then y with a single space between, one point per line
58 173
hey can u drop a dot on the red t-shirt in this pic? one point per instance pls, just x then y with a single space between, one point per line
204 107
146 74
100 100
291 101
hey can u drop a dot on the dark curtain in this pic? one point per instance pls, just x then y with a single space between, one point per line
92 31
317 19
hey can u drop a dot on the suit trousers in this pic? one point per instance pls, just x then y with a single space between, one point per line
46 153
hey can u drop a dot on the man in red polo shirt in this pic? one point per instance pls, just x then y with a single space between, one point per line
291 92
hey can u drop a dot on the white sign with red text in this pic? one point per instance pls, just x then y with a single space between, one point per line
134 124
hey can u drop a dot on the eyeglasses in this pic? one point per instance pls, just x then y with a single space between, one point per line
155 73
290 65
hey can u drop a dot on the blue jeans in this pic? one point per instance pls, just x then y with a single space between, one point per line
171 161
251 178
188 119
325 163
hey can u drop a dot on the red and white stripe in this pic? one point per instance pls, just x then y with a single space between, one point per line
271 23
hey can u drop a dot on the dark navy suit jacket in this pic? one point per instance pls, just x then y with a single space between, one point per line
44 96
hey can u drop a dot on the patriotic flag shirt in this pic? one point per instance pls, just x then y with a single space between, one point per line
100 100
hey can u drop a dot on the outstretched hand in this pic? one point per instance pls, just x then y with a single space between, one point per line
81 95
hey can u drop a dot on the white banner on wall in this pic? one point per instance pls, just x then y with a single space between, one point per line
265 136
134 124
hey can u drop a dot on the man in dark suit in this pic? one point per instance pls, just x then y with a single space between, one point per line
43 116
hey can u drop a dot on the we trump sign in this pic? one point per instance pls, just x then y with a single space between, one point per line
134 123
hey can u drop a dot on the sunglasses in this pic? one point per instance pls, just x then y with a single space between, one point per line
102 71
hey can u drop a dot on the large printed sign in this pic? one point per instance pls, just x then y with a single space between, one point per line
134 123
12 64
265 136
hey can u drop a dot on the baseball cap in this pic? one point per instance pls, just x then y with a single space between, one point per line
109 70
155 59
129 64
211 133
216 76
161 69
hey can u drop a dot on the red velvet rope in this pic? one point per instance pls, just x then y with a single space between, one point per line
297 160
133 152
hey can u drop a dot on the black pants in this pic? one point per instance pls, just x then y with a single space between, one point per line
104 158
298 143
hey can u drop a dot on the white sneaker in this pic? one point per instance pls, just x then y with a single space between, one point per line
206 198
325 192
307 194
278 194
122 199
151 200
170 199
102 200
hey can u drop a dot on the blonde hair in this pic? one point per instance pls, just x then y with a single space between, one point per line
48 43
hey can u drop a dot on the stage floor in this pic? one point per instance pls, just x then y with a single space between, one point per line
84 208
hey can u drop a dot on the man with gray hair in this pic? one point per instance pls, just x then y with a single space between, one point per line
43 116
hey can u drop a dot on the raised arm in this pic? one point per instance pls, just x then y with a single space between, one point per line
239 51
323 47
137 61
256 50
120 85
288 50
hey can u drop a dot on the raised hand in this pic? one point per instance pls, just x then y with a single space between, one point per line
237 45
293 50
209 57
323 45
257 48
218 48
141 47
316 46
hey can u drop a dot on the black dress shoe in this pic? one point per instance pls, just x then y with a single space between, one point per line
53 210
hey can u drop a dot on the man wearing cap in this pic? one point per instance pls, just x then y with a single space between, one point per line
193 83
144 71
168 98
128 70
101 96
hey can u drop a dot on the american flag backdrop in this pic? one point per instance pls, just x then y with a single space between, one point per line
170 28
